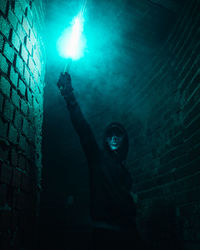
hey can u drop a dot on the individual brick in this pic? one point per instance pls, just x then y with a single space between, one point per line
32 84
8 52
3 6
25 25
194 140
31 115
24 107
31 136
18 10
18 120
38 94
5 86
4 150
33 40
29 16
8 110
36 59
36 76
19 65
193 99
12 19
23 4
3 64
187 169
15 40
15 98
188 74
4 27
35 30
22 87
31 64
192 114
5 174
22 162
14 77
14 157
35 105
12 134
29 45
29 97
3 128
24 53
192 128
22 142
1 42
1 102
26 75
30 153
39 67
25 127
195 152
21 32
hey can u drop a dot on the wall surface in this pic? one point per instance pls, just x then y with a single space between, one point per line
166 168
21 107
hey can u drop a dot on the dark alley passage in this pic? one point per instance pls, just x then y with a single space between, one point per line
114 152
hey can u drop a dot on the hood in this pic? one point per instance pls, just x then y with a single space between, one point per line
122 151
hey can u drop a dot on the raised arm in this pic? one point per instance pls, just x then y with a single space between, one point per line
86 136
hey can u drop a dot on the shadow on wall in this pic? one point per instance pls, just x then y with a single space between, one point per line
162 225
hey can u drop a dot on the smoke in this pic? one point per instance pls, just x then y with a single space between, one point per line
113 55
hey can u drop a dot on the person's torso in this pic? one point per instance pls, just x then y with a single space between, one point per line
111 201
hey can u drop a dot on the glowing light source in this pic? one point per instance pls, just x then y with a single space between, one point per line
71 43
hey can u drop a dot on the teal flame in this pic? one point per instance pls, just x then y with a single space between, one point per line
71 43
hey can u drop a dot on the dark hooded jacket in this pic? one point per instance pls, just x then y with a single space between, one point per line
110 182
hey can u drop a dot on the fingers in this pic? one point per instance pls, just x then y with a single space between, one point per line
67 77
64 83
61 80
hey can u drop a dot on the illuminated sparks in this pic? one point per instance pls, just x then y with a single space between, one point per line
71 43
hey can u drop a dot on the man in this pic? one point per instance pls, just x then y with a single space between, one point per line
112 208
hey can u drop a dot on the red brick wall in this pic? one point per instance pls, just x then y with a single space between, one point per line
21 106
166 165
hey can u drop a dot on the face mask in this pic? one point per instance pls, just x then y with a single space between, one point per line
114 142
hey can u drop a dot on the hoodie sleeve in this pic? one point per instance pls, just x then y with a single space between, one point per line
86 136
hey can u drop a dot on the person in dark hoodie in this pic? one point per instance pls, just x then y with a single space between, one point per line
112 208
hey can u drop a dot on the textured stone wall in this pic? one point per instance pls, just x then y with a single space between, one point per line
166 165
22 62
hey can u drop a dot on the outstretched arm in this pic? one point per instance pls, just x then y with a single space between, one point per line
79 122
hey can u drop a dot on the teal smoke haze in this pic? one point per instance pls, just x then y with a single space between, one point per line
113 54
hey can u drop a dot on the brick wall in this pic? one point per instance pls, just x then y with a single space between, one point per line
21 106
166 165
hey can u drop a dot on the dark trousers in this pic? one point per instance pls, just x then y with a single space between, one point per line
104 239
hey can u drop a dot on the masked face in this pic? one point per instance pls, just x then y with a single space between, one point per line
114 142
